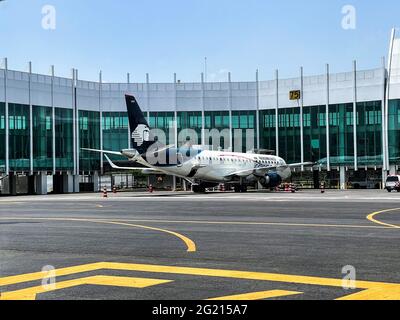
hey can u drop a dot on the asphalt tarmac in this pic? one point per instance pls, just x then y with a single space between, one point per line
129 246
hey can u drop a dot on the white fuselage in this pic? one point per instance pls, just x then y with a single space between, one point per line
217 166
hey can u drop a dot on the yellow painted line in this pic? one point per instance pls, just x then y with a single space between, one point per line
390 293
241 275
283 224
31 293
191 246
375 290
244 223
5 281
372 216
257 295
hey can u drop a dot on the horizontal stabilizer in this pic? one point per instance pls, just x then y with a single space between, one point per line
104 151
114 166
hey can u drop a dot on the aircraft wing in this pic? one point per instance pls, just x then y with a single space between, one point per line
298 165
114 166
248 172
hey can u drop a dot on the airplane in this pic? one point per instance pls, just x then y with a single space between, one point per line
202 168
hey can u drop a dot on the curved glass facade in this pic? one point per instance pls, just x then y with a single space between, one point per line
328 135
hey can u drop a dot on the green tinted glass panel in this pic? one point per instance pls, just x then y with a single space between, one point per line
42 138
64 139
19 140
89 137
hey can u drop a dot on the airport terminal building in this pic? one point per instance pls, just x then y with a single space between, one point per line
347 123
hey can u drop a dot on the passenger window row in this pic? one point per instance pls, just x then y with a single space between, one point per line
232 160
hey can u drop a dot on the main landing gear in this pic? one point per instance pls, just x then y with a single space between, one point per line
199 189
240 188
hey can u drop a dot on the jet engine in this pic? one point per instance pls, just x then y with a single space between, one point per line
271 180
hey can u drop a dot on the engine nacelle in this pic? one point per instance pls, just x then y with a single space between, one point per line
271 180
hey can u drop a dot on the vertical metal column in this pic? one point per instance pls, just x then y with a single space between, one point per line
7 120
258 109
77 126
74 124
230 112
128 81
355 115
387 99
53 121
277 112
302 116
203 119
148 96
30 118
73 117
175 111
101 121
328 148
384 132
175 124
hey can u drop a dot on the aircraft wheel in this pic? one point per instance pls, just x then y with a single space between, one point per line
199 189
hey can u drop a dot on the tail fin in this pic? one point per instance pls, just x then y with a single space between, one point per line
141 137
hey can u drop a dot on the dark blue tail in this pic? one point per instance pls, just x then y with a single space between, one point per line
141 137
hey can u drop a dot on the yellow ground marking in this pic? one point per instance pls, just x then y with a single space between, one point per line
31 293
225 223
257 295
372 216
385 293
372 290
191 246
244 223
42 275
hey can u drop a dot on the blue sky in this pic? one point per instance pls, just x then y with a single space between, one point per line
166 36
